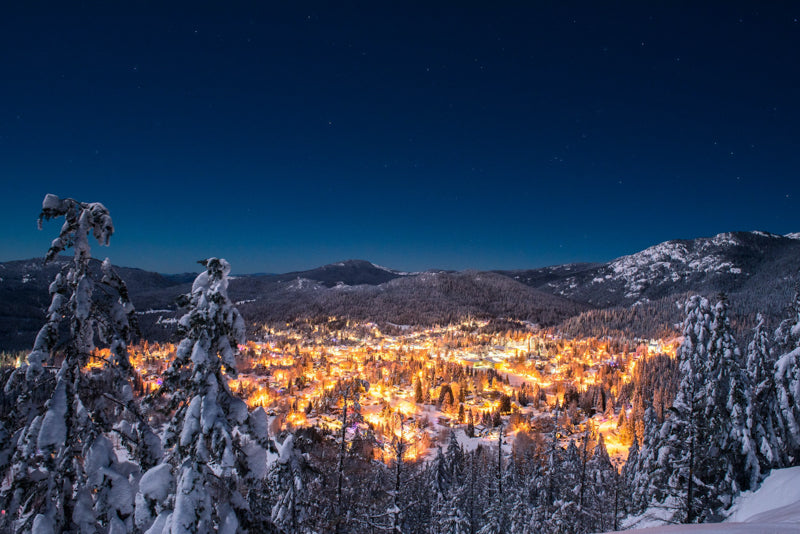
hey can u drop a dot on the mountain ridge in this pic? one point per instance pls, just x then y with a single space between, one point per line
758 269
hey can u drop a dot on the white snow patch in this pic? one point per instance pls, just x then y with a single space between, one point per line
720 528
157 482
388 270
774 508
793 235
776 501
382 268
54 427
724 239
302 283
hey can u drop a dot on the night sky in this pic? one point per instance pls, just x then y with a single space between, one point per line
509 136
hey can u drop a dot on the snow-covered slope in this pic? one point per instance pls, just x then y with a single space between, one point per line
349 272
724 262
672 261
772 508
776 501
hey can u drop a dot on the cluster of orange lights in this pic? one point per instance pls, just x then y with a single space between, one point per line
292 378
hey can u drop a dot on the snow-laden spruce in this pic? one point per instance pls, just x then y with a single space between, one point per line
704 453
726 398
290 510
206 441
787 381
65 475
763 411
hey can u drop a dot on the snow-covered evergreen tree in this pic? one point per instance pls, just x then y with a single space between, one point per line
519 511
65 475
451 518
287 485
203 438
477 486
685 431
349 392
787 381
726 391
647 471
628 478
496 514
569 486
537 491
602 489
455 459
6 447
763 412
440 474
707 443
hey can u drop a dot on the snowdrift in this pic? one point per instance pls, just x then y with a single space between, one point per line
774 508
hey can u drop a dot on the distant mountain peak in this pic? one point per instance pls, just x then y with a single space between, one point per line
724 262
348 263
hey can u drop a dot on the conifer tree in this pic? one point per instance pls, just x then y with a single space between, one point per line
64 473
286 486
763 412
626 433
470 430
648 474
685 431
726 390
418 397
451 518
203 439
603 489
440 475
787 381
496 520
709 449
395 509
455 458
628 477
475 488
349 391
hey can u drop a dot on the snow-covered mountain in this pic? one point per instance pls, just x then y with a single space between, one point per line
725 262
349 272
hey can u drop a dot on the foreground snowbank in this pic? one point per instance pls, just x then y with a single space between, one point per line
774 508
776 501
723 528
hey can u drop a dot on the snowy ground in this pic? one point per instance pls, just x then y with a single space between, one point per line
773 508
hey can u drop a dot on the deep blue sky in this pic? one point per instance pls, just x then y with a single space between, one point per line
508 136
